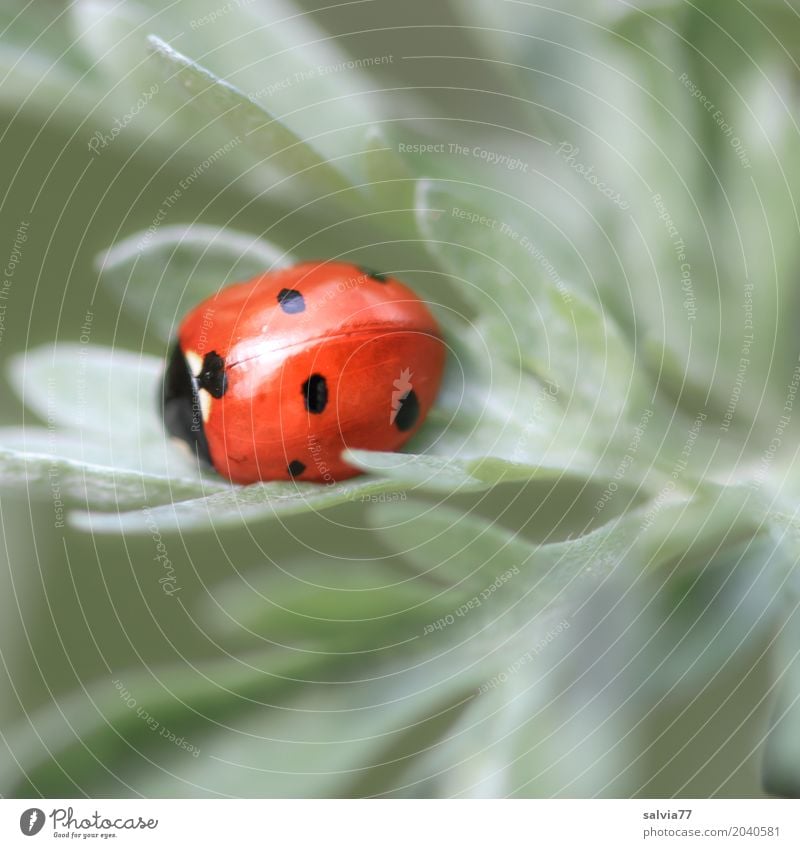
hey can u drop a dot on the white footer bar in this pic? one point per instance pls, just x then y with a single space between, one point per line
402 824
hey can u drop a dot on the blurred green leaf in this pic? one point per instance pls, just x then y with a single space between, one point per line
103 400
107 720
286 156
160 276
235 505
363 607
78 482
527 310
104 445
282 58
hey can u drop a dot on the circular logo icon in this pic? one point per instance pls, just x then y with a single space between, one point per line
31 821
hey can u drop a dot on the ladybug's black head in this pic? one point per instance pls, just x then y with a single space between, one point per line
180 405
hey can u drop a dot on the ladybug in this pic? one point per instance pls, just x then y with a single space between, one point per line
271 379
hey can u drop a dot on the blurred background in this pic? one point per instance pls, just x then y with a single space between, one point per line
590 588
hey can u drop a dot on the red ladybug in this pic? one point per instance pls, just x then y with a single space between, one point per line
273 378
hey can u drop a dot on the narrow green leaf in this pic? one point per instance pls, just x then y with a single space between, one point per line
90 388
233 506
287 61
70 483
278 149
101 406
105 445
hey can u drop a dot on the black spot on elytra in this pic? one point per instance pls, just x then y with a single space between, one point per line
291 301
315 393
295 468
180 405
374 275
212 375
408 413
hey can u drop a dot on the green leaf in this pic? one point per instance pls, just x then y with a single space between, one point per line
131 113
236 505
103 399
450 475
160 276
497 423
528 733
112 35
449 547
363 607
708 612
527 730
287 61
291 163
264 501
556 714
454 548
691 526
270 724
71 482
528 313
105 445
86 387
430 472
324 742
68 743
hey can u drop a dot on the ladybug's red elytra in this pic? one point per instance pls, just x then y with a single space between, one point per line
271 379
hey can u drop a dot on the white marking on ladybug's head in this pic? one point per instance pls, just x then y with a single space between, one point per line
194 361
205 404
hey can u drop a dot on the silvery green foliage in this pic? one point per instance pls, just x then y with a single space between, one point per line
596 386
